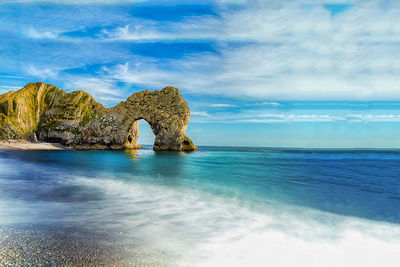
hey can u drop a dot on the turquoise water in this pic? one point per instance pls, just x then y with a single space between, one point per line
220 206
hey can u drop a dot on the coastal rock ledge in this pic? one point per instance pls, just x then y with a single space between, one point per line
42 112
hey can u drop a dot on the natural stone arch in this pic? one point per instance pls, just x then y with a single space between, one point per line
165 111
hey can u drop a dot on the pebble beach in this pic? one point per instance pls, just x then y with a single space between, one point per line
47 246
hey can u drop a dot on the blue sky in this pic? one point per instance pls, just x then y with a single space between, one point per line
255 73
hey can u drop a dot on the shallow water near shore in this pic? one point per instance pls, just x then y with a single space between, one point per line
220 206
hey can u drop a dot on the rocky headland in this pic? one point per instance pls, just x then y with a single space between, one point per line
41 112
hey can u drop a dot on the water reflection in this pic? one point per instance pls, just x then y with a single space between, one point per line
132 154
170 153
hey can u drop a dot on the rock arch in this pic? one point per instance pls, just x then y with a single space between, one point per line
165 111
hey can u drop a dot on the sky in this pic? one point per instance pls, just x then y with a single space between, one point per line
255 73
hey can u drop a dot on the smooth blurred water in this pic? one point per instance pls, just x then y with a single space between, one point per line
203 206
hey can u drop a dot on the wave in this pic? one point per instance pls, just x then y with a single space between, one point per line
203 229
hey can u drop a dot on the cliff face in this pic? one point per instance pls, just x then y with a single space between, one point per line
76 120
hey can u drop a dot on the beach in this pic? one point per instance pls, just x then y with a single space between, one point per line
27 245
31 146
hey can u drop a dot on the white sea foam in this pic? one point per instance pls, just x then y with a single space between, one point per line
208 230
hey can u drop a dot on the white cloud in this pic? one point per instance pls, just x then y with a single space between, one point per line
33 33
98 88
290 53
298 118
41 72
286 118
223 105
191 28
200 113
142 72
11 76
267 103
111 99
139 33
373 117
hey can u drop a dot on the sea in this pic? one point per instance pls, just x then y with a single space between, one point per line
219 206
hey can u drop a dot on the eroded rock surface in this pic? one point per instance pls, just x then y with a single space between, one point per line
76 120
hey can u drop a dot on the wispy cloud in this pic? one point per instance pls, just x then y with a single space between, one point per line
110 99
191 29
33 33
267 103
99 88
223 105
41 72
11 76
140 33
291 52
373 117
200 113
245 117
288 118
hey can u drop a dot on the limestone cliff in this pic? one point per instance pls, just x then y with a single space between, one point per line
76 120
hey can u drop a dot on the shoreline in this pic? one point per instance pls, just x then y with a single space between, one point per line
31 146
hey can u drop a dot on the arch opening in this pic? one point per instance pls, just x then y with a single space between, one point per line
146 137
